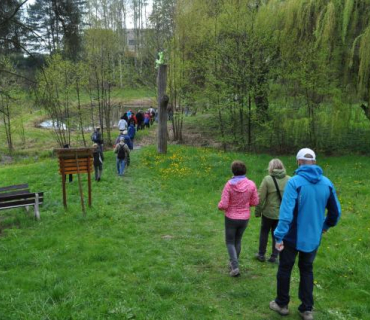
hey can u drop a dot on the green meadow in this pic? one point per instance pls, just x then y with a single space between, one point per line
152 245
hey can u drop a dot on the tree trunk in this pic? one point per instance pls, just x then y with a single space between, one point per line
162 125
7 125
80 113
162 108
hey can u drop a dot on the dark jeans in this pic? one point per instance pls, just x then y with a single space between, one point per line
98 171
305 264
70 178
234 230
267 225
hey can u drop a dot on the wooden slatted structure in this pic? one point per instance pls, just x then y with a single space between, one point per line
20 196
75 161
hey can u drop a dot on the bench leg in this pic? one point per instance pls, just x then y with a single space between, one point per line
36 207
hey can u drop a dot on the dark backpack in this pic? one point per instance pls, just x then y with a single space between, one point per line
94 137
121 154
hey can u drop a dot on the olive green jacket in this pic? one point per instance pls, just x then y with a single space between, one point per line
269 199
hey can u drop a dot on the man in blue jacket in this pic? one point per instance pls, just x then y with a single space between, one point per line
302 221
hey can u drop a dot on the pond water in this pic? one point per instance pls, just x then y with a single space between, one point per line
50 124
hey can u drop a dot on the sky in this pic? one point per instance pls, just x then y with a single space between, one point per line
130 22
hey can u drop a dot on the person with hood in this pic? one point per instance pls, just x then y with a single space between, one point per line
302 221
270 194
238 195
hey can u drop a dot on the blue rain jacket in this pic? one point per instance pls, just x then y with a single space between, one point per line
302 217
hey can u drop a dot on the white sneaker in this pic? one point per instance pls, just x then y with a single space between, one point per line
235 272
306 315
283 311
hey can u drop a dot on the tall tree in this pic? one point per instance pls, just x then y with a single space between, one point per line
59 25
12 28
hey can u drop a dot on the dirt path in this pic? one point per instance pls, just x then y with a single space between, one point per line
191 137
149 139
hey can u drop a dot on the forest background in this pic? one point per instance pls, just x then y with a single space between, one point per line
269 75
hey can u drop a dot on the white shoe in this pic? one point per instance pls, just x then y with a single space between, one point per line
235 272
283 311
306 315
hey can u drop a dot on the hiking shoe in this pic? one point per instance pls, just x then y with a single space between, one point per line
272 260
283 311
235 272
260 258
306 315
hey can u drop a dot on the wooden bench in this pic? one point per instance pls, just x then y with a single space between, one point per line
20 196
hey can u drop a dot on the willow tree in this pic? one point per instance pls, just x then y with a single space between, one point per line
337 31
316 62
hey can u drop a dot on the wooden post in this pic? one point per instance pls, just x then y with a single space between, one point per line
162 108
64 184
80 187
89 180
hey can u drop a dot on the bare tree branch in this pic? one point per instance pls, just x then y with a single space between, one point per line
6 19
19 45
18 75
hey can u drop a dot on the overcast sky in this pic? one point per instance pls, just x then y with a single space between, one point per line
130 19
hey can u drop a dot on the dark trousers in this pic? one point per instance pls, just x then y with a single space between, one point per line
98 171
140 126
267 226
305 264
70 178
234 230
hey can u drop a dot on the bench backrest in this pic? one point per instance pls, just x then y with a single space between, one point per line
18 196
16 189
20 200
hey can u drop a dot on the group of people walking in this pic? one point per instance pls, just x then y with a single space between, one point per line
296 211
140 120
124 144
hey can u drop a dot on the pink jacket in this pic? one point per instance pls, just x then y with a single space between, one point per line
238 196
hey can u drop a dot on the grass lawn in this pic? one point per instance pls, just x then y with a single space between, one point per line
152 246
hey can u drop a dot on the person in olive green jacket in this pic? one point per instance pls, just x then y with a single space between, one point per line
269 206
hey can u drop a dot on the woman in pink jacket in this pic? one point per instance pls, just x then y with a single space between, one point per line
238 196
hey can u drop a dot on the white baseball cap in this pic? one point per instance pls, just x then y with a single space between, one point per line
306 151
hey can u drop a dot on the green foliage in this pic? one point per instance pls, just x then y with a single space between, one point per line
364 55
347 12
152 246
246 57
